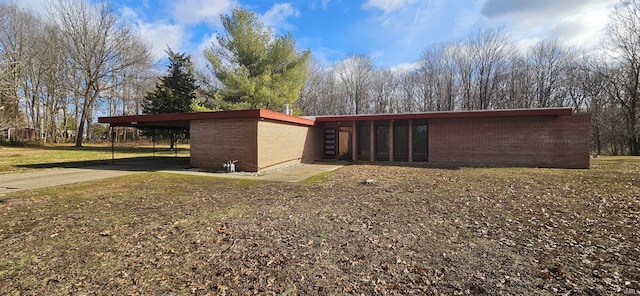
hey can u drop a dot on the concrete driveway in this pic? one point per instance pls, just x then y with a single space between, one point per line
62 176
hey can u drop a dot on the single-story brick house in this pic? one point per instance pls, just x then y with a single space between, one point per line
263 139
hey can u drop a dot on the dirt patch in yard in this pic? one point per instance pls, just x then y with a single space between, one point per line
410 231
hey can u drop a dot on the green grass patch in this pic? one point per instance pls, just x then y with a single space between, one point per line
22 158
319 178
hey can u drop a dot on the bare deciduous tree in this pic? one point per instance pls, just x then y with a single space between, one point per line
99 48
550 62
624 43
17 27
492 49
355 76
384 84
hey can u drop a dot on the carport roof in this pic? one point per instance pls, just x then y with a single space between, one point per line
181 120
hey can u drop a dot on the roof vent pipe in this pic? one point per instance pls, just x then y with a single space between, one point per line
287 110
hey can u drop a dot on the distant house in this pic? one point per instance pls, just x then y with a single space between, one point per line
22 133
263 139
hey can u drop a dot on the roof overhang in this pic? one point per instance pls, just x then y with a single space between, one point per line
450 114
182 120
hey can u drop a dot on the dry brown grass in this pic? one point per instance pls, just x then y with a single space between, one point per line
415 231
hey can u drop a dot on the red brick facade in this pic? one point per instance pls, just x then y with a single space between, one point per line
561 142
257 144
262 139
281 144
216 141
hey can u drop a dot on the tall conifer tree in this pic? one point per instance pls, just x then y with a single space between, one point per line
175 92
256 68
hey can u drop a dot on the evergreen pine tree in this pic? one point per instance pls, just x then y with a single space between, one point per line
174 94
255 68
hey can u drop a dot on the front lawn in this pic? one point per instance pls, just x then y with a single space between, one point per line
414 231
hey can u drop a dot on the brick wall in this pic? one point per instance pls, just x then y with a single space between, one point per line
281 144
214 142
561 142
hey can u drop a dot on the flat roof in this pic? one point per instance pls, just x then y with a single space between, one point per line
450 114
181 120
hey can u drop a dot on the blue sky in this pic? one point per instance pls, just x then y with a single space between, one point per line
392 32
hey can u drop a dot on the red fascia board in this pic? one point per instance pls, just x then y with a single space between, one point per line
273 115
450 114
183 119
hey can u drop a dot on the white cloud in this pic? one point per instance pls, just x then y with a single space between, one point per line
276 17
376 54
197 11
537 9
387 5
198 58
584 29
161 35
574 22
404 67
320 4
128 13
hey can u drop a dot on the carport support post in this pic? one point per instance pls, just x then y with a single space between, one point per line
113 149
372 142
153 140
354 141
410 140
391 140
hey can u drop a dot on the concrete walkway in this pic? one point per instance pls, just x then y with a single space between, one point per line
293 174
62 176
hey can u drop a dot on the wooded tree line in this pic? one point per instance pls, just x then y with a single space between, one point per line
486 70
55 72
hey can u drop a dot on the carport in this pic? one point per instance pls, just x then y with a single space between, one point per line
151 121
258 139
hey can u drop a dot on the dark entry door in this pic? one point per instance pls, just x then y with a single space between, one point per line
330 142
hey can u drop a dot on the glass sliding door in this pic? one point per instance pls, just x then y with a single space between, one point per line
400 141
363 141
420 140
382 140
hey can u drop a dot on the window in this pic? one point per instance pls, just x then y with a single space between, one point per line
420 140
363 141
382 140
400 141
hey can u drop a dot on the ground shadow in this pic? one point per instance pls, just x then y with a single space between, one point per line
121 164
415 164
105 147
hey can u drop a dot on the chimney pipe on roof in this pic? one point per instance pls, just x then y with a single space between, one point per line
287 110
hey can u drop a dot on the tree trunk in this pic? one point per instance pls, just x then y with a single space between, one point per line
83 117
172 140
80 131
